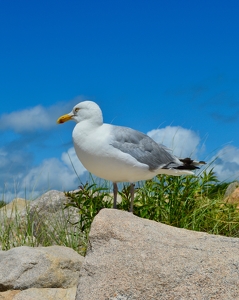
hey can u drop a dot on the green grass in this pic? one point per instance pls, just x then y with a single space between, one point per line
2 203
194 203
29 229
191 202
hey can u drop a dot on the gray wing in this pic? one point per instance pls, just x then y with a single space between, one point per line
142 148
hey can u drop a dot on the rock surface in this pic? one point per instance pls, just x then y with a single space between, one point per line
46 294
231 188
40 294
8 295
129 258
44 267
48 211
52 201
15 207
233 197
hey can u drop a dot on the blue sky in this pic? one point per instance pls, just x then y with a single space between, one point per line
166 68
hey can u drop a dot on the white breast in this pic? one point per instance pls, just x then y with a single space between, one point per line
94 150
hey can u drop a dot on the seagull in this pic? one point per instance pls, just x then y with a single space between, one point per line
120 154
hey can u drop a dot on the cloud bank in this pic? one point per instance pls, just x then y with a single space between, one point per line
63 174
183 142
226 163
36 118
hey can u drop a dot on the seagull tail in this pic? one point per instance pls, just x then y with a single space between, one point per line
189 164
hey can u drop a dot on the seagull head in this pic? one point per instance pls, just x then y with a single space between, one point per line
86 110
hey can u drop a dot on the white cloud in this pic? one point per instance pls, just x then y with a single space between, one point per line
55 173
13 164
183 142
38 117
3 158
226 165
72 161
62 174
27 119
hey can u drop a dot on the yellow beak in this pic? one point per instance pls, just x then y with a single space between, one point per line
63 119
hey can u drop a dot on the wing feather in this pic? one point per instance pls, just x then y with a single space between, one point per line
142 148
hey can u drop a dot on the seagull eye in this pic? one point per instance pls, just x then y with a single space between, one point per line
76 110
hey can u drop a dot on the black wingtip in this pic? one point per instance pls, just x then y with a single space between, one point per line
189 164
